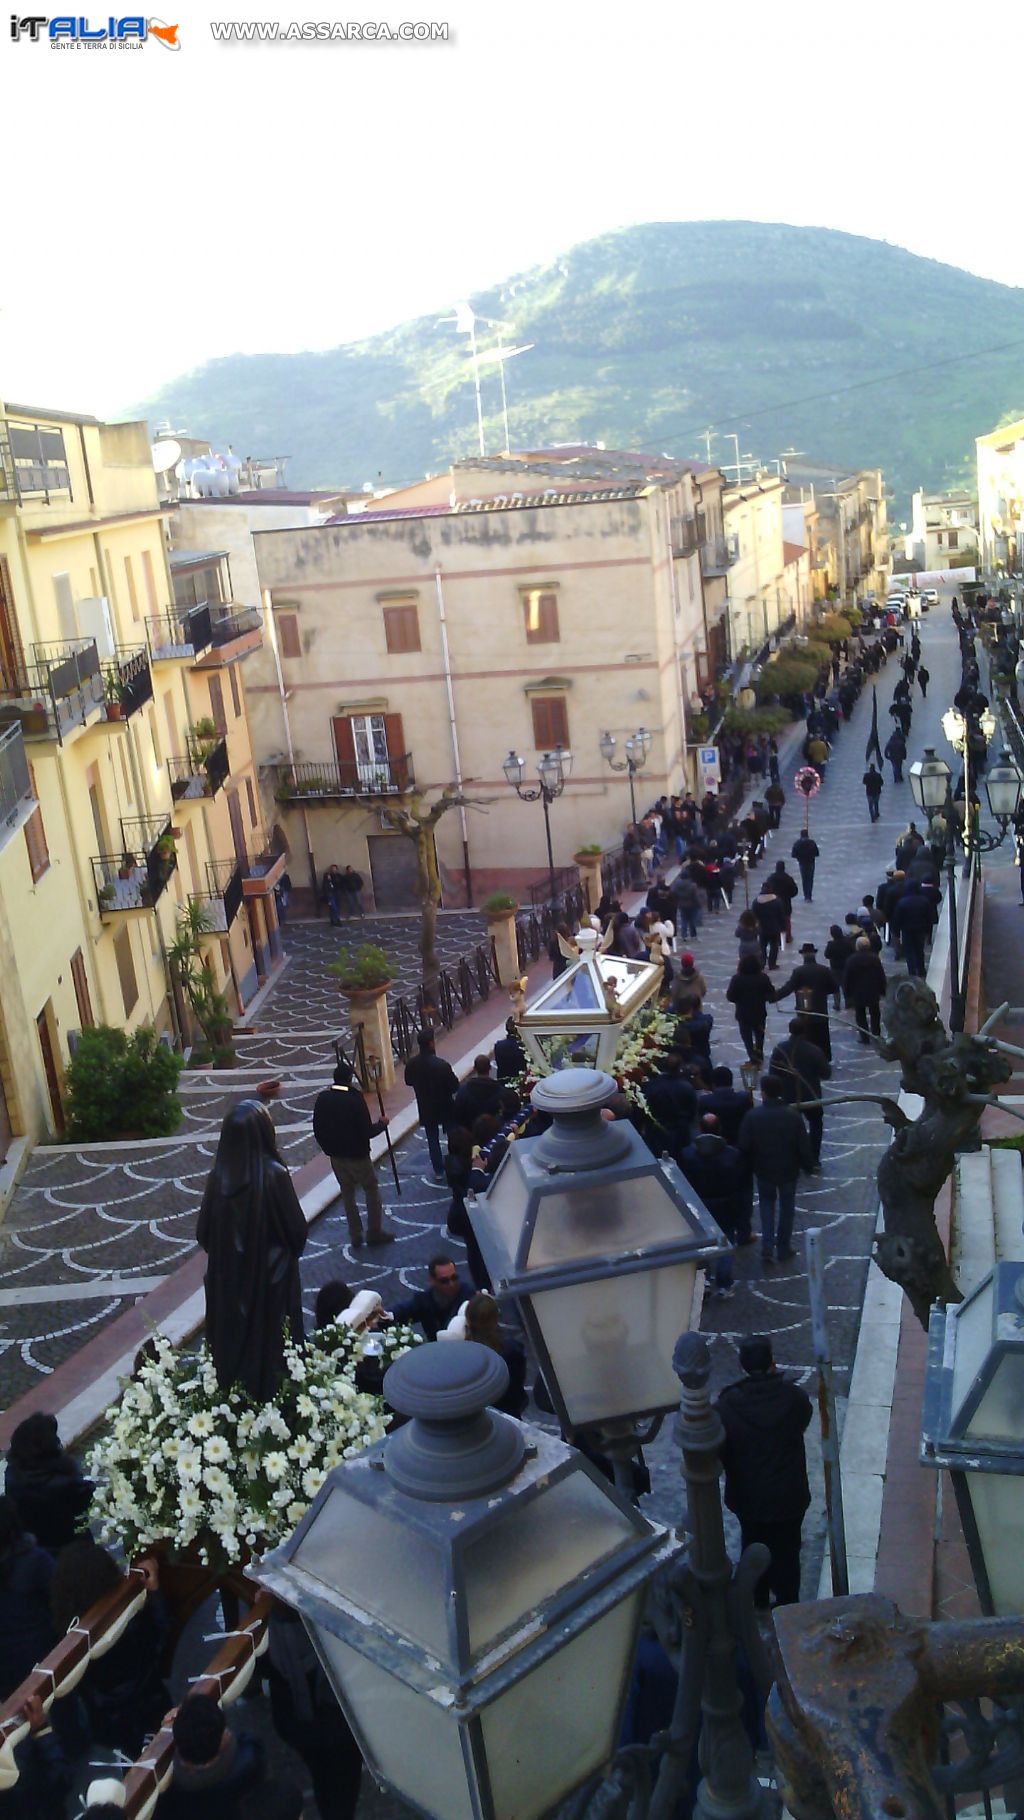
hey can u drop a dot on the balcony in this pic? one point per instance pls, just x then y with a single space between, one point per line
234 632
315 783
717 555
683 537
264 866
135 879
61 689
16 798
221 903
201 774
179 637
128 682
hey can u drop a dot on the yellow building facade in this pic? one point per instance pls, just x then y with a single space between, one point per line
126 772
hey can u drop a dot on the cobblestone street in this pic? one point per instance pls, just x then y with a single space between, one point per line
127 1213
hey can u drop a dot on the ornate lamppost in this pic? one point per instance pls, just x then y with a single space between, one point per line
553 771
636 748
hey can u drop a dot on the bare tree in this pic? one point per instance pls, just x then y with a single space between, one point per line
417 819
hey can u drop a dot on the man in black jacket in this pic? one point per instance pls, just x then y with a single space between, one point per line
478 1094
343 1128
673 1104
729 1104
806 851
509 1054
765 1417
801 1067
717 1173
815 987
774 1140
435 1084
913 917
874 784
864 984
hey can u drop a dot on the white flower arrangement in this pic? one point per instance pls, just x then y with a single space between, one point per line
182 1462
643 1045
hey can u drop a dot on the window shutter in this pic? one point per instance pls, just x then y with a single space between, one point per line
345 748
394 736
217 705
402 629
35 836
288 629
550 722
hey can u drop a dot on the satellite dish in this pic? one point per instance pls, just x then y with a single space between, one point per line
166 454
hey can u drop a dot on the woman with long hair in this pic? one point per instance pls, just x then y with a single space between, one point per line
253 1231
483 1324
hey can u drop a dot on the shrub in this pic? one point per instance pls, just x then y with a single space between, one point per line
367 968
698 726
119 1083
786 676
593 846
501 900
834 628
757 720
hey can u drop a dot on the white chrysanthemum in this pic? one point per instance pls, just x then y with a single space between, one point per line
216 1450
312 1481
189 1502
305 1405
190 1463
281 1496
275 1465
217 1480
295 1513
302 1450
201 1424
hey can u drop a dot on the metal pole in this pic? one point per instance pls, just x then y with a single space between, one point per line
632 792
956 1004
722 1615
827 1414
545 799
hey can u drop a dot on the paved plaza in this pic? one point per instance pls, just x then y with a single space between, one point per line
92 1230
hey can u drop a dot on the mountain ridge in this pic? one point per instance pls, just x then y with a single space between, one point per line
641 337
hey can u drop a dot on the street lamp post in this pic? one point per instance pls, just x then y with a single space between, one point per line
553 771
930 786
637 747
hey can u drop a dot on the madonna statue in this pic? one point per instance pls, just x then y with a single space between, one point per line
253 1231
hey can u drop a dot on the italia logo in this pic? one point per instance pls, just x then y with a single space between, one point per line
80 34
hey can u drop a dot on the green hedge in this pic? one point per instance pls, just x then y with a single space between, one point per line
117 1083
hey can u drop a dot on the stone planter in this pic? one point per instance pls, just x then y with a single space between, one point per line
588 865
501 927
368 1012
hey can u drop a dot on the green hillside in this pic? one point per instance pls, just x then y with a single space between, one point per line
641 338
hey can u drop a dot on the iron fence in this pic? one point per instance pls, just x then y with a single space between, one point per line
468 982
15 783
540 892
535 928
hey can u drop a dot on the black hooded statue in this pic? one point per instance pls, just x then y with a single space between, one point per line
253 1232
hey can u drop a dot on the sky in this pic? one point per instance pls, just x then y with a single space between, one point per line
164 208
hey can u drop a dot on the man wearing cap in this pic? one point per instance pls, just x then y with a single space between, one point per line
343 1128
765 1417
814 986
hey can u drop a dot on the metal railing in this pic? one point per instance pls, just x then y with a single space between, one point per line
15 783
535 928
135 878
134 678
616 872
717 554
468 982
540 892
310 782
58 690
222 902
201 774
684 536
186 632
228 623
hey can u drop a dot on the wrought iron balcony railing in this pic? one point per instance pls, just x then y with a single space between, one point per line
220 904
231 623
129 680
59 689
717 555
177 636
684 536
201 774
15 782
135 878
310 782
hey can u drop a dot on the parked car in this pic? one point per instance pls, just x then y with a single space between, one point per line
929 598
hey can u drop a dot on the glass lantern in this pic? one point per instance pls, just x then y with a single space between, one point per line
514 768
1003 787
474 1591
974 1427
929 781
582 1017
600 1243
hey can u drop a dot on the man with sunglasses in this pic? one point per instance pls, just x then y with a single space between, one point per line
434 1306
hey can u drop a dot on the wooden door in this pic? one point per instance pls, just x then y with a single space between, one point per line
393 871
237 828
50 1068
78 974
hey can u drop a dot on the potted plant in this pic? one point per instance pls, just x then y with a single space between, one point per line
165 848
366 974
593 850
499 905
106 896
113 689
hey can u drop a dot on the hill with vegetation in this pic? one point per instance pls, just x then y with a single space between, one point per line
845 348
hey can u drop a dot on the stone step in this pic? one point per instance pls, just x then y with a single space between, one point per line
1008 1201
972 1242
